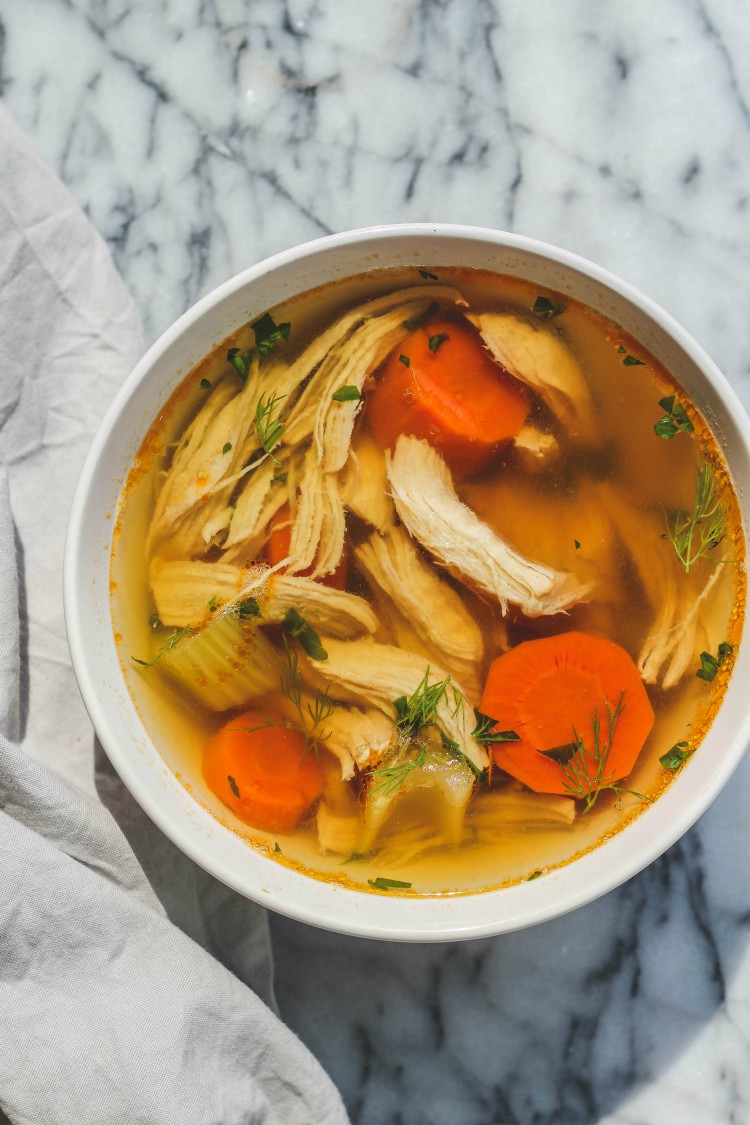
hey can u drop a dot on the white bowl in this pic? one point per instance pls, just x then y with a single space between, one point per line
87 610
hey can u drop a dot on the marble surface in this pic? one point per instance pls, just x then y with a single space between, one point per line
202 135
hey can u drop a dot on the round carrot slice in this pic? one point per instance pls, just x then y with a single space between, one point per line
554 693
441 384
262 772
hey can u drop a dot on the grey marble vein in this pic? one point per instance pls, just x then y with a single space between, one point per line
203 135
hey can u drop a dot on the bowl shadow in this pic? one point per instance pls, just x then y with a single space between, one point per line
556 1025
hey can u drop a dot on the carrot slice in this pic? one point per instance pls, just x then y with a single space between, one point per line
263 775
548 692
441 384
279 542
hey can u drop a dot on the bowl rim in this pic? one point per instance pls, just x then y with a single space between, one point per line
406 916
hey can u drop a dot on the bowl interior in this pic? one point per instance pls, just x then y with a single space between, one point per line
116 717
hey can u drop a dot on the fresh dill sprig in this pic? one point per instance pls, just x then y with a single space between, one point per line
695 534
389 779
419 710
268 422
310 716
172 640
575 760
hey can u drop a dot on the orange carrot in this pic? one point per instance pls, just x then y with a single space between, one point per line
548 692
264 774
277 548
441 384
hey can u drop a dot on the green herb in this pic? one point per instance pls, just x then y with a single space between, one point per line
710 664
545 308
675 419
534 875
389 779
281 478
485 732
247 608
422 318
577 545
695 534
213 604
628 359
295 625
428 276
675 757
310 716
404 359
347 393
186 443
204 385
168 645
419 710
381 884
436 340
276 848
268 333
576 767
450 744
268 423
233 785
562 754
241 361
227 447
353 858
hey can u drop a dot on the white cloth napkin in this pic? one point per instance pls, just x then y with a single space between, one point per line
134 988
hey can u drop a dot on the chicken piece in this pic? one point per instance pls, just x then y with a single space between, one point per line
534 448
409 590
537 356
328 610
357 735
364 484
376 675
427 503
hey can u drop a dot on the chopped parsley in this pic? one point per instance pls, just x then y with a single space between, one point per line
438 339
268 333
404 359
628 359
227 447
347 393
710 664
295 625
485 732
241 361
675 757
428 276
233 785
205 385
577 545
545 308
247 608
675 420
383 884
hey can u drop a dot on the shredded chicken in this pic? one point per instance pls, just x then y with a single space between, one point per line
537 356
428 505
410 592
534 448
364 484
357 735
375 674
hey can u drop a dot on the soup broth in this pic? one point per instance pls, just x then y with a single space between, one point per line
370 529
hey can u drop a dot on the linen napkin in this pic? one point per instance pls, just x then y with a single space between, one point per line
134 988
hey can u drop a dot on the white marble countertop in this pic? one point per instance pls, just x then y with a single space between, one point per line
202 135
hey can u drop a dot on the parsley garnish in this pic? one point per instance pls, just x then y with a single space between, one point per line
419 321
347 393
382 884
241 361
281 478
268 333
247 608
233 785
204 385
227 447
675 419
675 757
534 875
577 545
404 359
295 625
438 339
545 308
276 847
628 359
485 732
428 276
311 716
213 604
710 664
